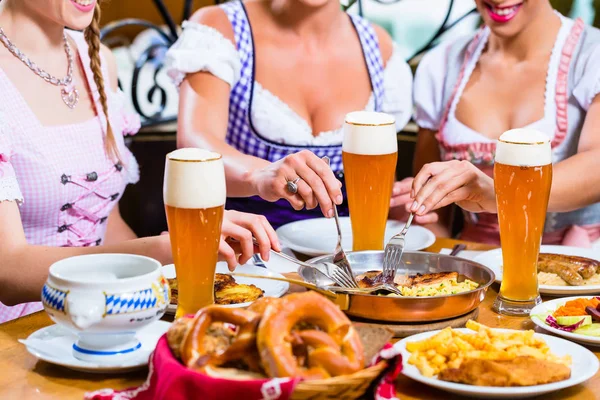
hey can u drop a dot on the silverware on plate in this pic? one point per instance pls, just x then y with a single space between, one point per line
319 271
339 256
392 257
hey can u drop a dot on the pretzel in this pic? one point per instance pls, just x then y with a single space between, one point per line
192 351
261 304
332 350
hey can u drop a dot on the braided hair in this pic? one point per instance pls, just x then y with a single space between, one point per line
92 37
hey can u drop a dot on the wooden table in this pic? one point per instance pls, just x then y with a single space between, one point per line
23 377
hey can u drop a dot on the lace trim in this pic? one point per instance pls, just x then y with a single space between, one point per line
554 65
9 189
562 81
288 127
203 48
291 129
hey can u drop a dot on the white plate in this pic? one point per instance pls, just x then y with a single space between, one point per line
54 344
584 366
318 236
551 306
271 288
493 260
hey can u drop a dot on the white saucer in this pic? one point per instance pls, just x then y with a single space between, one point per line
318 236
54 344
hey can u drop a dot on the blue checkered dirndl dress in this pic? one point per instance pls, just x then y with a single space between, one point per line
242 135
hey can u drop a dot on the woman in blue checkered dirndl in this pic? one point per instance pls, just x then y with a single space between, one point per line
268 83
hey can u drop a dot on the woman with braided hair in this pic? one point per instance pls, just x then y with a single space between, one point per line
63 161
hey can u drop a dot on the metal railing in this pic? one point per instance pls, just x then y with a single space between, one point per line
153 55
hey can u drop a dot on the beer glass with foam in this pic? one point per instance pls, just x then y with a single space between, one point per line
370 152
194 195
522 180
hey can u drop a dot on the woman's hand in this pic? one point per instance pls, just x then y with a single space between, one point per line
317 185
242 228
439 184
401 202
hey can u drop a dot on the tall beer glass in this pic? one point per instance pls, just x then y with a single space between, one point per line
194 195
370 152
522 179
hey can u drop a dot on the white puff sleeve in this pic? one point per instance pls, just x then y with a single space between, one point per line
397 84
588 85
128 119
429 89
9 187
202 48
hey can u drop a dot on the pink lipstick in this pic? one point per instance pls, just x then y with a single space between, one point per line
502 14
84 5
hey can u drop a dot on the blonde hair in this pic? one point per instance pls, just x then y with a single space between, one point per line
92 37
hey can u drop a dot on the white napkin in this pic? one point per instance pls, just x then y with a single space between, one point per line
467 254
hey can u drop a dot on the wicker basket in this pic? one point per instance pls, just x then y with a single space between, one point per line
347 387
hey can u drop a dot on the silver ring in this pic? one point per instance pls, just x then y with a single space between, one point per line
292 186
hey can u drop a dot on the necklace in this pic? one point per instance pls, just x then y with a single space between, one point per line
69 93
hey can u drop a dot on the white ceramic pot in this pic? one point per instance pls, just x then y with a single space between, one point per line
105 299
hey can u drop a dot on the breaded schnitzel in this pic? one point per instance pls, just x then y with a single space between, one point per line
521 371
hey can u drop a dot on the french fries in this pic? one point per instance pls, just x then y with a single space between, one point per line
449 348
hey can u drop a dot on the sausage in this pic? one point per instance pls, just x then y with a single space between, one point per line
566 272
585 267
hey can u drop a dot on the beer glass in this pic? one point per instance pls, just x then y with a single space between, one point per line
194 196
522 180
369 152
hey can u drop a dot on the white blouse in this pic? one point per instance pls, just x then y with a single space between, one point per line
430 85
202 48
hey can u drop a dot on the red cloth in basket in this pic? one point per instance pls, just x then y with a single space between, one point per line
168 379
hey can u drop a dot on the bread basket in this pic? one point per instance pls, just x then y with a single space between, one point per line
346 387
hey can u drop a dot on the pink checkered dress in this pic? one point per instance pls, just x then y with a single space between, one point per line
62 179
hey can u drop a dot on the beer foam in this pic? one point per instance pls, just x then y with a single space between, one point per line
369 118
369 133
523 148
193 154
194 178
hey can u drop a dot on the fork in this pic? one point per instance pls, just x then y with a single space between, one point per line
339 256
393 253
293 260
338 276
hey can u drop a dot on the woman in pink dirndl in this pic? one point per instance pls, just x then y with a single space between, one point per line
63 168
528 66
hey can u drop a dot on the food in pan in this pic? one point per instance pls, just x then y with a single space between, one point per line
421 285
227 291
563 270
488 357
300 335
580 316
